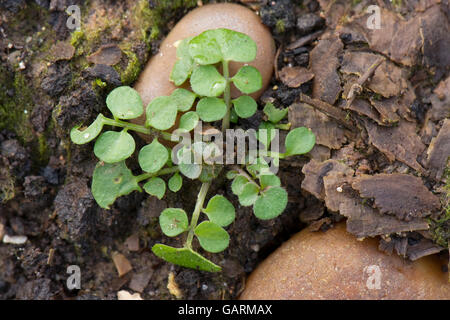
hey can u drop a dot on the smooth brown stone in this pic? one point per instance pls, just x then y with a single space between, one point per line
154 79
333 265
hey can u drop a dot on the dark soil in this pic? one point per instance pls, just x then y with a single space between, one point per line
45 194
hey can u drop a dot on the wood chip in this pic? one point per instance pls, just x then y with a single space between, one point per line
439 151
122 264
294 77
402 195
398 142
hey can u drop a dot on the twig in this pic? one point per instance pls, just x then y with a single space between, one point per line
357 88
275 63
304 40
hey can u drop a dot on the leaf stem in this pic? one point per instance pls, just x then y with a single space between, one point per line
196 214
283 126
161 172
274 154
246 175
226 96
136 127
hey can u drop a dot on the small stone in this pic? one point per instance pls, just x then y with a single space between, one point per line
22 65
14 239
140 281
122 264
125 295
132 242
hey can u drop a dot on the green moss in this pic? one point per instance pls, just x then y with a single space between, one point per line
131 71
77 37
280 26
7 191
98 83
15 108
440 228
154 18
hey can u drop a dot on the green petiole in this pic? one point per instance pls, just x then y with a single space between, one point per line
161 172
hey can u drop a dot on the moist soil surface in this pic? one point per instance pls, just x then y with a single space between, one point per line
378 101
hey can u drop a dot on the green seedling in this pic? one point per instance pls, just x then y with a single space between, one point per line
204 62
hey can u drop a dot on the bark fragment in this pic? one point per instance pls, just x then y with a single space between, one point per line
315 171
363 220
328 132
439 151
326 84
294 77
398 143
402 195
